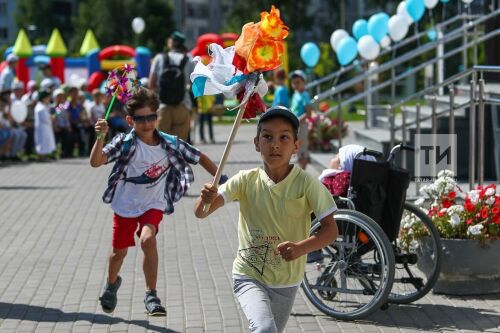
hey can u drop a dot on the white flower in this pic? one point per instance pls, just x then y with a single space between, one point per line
446 173
419 201
490 201
475 229
474 196
443 210
455 220
489 191
455 209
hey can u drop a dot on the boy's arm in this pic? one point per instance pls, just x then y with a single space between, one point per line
209 196
97 156
326 235
207 164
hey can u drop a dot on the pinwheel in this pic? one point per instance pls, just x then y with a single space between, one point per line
236 71
122 82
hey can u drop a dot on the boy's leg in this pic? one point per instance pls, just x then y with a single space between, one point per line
256 304
115 263
150 261
282 300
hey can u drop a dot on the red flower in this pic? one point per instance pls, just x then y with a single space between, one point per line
495 210
446 203
496 219
468 221
469 206
484 213
441 214
452 195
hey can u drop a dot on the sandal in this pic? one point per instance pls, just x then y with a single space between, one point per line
153 304
108 298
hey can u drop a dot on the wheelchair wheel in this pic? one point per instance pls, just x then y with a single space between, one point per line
418 263
353 276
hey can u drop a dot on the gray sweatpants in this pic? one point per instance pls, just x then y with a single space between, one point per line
267 309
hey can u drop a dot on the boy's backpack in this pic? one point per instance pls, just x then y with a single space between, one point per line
172 81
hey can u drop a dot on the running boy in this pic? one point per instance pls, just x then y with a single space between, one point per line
273 229
151 173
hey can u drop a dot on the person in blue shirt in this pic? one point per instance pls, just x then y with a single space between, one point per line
281 95
301 107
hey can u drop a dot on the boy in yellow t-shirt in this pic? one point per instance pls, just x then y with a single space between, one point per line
273 228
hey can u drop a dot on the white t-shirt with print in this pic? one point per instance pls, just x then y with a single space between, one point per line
143 185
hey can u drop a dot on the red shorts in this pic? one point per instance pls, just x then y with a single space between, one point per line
125 227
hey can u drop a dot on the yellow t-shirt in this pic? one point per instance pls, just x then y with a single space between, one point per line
271 214
205 103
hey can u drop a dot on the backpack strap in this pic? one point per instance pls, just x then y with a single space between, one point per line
166 60
184 62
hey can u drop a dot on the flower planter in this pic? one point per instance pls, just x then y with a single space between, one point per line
468 267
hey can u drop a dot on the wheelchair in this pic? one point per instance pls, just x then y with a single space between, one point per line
372 263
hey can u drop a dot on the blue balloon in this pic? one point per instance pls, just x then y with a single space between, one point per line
360 28
415 9
432 34
378 26
444 1
347 50
309 54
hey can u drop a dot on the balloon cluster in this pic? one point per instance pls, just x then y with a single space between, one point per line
378 31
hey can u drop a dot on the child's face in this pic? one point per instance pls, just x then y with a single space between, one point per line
335 162
144 121
298 83
97 98
276 143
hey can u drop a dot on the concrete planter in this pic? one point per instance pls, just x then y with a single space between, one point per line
468 267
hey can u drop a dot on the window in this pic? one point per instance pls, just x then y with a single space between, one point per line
4 33
3 8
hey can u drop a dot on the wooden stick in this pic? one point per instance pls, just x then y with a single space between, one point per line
250 88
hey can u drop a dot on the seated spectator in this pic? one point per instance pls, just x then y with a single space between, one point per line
18 135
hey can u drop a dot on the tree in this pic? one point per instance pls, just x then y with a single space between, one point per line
111 22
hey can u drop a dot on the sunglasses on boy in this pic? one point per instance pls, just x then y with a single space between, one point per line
145 119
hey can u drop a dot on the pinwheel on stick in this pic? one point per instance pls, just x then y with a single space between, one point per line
122 82
236 71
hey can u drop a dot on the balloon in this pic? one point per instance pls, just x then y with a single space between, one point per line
377 26
138 25
360 28
402 11
368 48
467 1
336 37
19 111
415 9
430 3
432 34
309 54
397 27
347 50
444 1
385 42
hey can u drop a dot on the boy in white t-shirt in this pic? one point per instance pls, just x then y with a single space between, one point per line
151 173
273 229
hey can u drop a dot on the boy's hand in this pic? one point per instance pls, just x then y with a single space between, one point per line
208 193
290 251
101 127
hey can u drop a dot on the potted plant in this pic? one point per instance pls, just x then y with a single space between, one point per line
469 226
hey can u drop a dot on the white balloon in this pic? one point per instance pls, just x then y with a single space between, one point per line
397 27
385 42
138 25
368 48
402 11
430 3
336 37
19 111
467 1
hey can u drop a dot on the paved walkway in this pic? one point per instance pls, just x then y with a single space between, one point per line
56 234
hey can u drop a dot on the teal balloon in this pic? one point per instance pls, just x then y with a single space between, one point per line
347 50
431 34
416 9
378 26
360 28
309 54
444 1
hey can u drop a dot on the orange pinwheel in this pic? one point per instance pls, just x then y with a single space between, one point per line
260 45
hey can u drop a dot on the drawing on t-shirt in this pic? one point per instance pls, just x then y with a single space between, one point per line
153 174
255 256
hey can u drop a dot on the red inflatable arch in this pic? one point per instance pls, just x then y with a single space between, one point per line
116 50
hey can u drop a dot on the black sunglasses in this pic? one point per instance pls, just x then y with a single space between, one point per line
145 119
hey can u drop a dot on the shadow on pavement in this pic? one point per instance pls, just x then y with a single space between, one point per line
428 317
41 314
29 188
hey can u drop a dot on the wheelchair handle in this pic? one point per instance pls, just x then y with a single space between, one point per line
378 155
